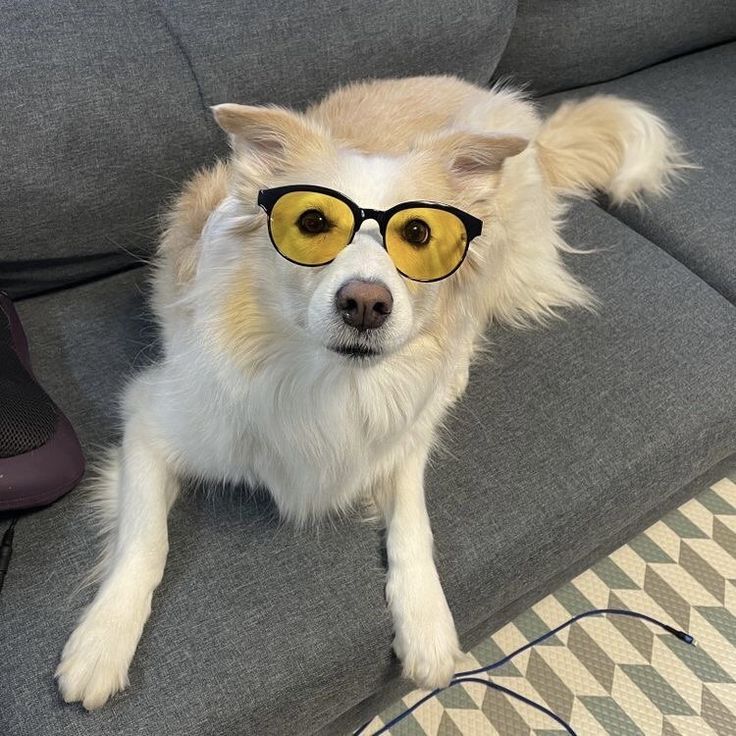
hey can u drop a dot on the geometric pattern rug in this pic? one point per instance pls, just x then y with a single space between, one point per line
613 675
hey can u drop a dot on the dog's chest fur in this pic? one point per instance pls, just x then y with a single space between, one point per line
316 438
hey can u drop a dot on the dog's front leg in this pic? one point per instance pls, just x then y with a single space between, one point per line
425 639
140 487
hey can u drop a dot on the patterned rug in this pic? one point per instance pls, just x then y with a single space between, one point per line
616 676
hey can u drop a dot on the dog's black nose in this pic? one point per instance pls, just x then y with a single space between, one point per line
364 305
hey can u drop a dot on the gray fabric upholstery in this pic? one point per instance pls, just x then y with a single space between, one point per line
568 439
696 94
567 43
320 44
105 103
101 120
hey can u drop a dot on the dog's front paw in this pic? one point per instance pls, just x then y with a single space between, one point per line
94 663
430 653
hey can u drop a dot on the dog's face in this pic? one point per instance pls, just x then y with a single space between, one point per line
358 307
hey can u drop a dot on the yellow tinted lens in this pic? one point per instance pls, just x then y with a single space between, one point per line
310 228
426 244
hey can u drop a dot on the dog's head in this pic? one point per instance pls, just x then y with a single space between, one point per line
358 306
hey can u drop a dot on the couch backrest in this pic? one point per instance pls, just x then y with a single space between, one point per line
560 44
106 103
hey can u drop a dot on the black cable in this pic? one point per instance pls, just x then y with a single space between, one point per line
681 635
487 683
6 550
518 696
461 677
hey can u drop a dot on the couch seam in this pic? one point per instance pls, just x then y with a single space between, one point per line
187 58
80 283
634 226
602 208
666 60
493 81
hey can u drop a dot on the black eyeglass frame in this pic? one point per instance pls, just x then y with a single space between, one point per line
267 199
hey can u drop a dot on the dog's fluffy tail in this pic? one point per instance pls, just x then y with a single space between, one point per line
610 145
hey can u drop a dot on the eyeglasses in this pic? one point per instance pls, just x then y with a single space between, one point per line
310 225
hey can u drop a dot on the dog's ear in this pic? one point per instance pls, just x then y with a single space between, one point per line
271 135
471 154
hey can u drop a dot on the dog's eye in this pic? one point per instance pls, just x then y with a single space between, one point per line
313 222
416 232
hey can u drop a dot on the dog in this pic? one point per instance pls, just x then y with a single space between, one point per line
321 295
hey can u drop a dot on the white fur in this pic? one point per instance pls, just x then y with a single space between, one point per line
319 430
96 657
650 159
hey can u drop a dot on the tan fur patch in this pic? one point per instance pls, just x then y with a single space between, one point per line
608 144
580 146
270 140
185 221
358 113
243 330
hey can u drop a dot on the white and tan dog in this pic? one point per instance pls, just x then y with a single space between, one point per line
267 378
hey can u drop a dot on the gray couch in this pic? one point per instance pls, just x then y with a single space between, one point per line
570 440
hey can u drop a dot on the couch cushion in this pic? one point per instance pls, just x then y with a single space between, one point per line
101 119
696 94
569 439
567 43
105 105
264 51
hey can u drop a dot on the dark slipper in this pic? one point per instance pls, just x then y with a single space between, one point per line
40 456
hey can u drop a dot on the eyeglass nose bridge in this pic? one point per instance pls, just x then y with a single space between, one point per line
361 215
